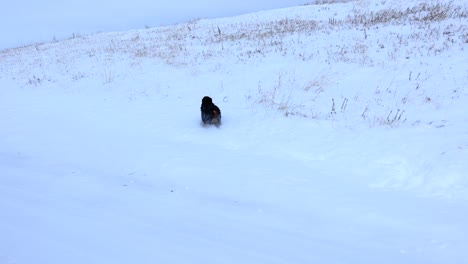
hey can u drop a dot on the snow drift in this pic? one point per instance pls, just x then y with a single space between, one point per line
344 140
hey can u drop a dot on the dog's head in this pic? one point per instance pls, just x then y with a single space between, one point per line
207 100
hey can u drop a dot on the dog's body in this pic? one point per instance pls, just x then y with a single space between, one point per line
210 113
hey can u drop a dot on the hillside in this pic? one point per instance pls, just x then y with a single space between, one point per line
344 140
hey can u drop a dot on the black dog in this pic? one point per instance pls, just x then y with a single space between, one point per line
210 113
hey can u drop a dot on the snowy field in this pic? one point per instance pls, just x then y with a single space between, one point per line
344 140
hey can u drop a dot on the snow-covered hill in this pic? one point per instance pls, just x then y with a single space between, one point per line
344 140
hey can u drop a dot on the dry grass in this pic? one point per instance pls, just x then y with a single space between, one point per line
427 31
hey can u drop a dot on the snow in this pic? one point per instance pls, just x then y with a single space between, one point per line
29 21
103 158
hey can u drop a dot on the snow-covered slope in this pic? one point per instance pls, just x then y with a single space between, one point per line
344 140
